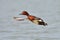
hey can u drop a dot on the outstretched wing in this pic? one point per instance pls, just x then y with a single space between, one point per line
19 19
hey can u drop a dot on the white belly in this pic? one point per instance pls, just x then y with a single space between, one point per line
35 21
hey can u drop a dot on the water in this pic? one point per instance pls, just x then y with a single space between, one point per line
48 10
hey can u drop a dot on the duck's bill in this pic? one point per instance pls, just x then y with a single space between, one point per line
19 19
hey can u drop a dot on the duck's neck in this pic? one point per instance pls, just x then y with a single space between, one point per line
27 15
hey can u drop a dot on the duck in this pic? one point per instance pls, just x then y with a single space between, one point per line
33 19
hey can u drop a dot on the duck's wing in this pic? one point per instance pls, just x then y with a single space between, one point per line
18 18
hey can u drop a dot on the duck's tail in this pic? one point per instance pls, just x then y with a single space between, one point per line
42 23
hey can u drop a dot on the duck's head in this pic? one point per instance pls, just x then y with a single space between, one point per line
24 13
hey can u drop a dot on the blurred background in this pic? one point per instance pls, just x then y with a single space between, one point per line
48 10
